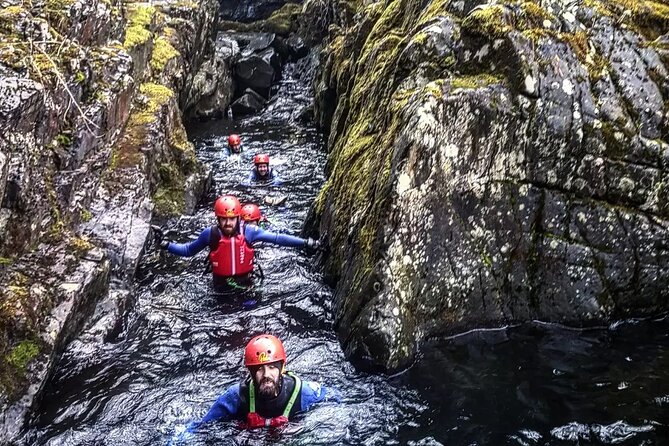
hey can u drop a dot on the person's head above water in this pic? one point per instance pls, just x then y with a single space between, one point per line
228 209
251 214
261 162
235 143
265 358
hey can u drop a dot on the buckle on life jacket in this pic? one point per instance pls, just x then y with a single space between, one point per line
255 421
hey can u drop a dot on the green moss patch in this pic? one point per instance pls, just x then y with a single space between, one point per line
163 52
140 21
22 354
127 152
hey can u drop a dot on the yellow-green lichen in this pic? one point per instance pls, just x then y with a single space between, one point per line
434 89
140 20
127 151
85 215
488 21
80 245
533 15
157 96
9 19
169 202
57 13
648 18
162 53
476 81
435 9
6 261
135 36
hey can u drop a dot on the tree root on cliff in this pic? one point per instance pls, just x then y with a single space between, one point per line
61 79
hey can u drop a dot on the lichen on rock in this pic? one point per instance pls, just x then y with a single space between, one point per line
468 147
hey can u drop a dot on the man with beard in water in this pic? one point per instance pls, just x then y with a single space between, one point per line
269 396
230 243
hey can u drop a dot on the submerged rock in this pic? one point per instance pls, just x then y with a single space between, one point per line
491 165
250 102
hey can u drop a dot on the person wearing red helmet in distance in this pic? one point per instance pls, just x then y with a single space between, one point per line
230 242
261 172
270 396
252 216
234 144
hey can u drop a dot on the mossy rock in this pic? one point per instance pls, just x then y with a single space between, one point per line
163 52
169 201
490 21
140 23
22 354
281 22
127 152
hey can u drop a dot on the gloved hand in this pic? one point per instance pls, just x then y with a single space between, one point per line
159 237
313 245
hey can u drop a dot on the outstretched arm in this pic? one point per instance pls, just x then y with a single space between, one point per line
192 248
256 234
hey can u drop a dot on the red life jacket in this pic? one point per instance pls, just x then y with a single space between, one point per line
254 421
230 256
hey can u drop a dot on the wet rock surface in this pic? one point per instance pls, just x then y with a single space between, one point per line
492 164
92 147
249 10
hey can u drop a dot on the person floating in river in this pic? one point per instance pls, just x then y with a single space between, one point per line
252 216
234 144
270 396
230 242
261 172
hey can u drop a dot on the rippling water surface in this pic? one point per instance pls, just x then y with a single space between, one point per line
181 345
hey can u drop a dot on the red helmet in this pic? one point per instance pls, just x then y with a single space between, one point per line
234 140
251 212
261 158
264 349
227 206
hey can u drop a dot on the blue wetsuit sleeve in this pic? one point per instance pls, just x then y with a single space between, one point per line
256 234
312 393
192 248
224 409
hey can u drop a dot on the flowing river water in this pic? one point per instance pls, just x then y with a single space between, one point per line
181 345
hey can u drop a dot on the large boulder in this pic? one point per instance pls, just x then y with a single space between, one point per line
505 165
213 83
249 103
256 71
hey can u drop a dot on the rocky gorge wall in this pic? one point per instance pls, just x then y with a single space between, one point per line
492 163
92 147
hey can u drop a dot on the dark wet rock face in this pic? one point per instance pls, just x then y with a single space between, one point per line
92 147
256 71
493 164
249 10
